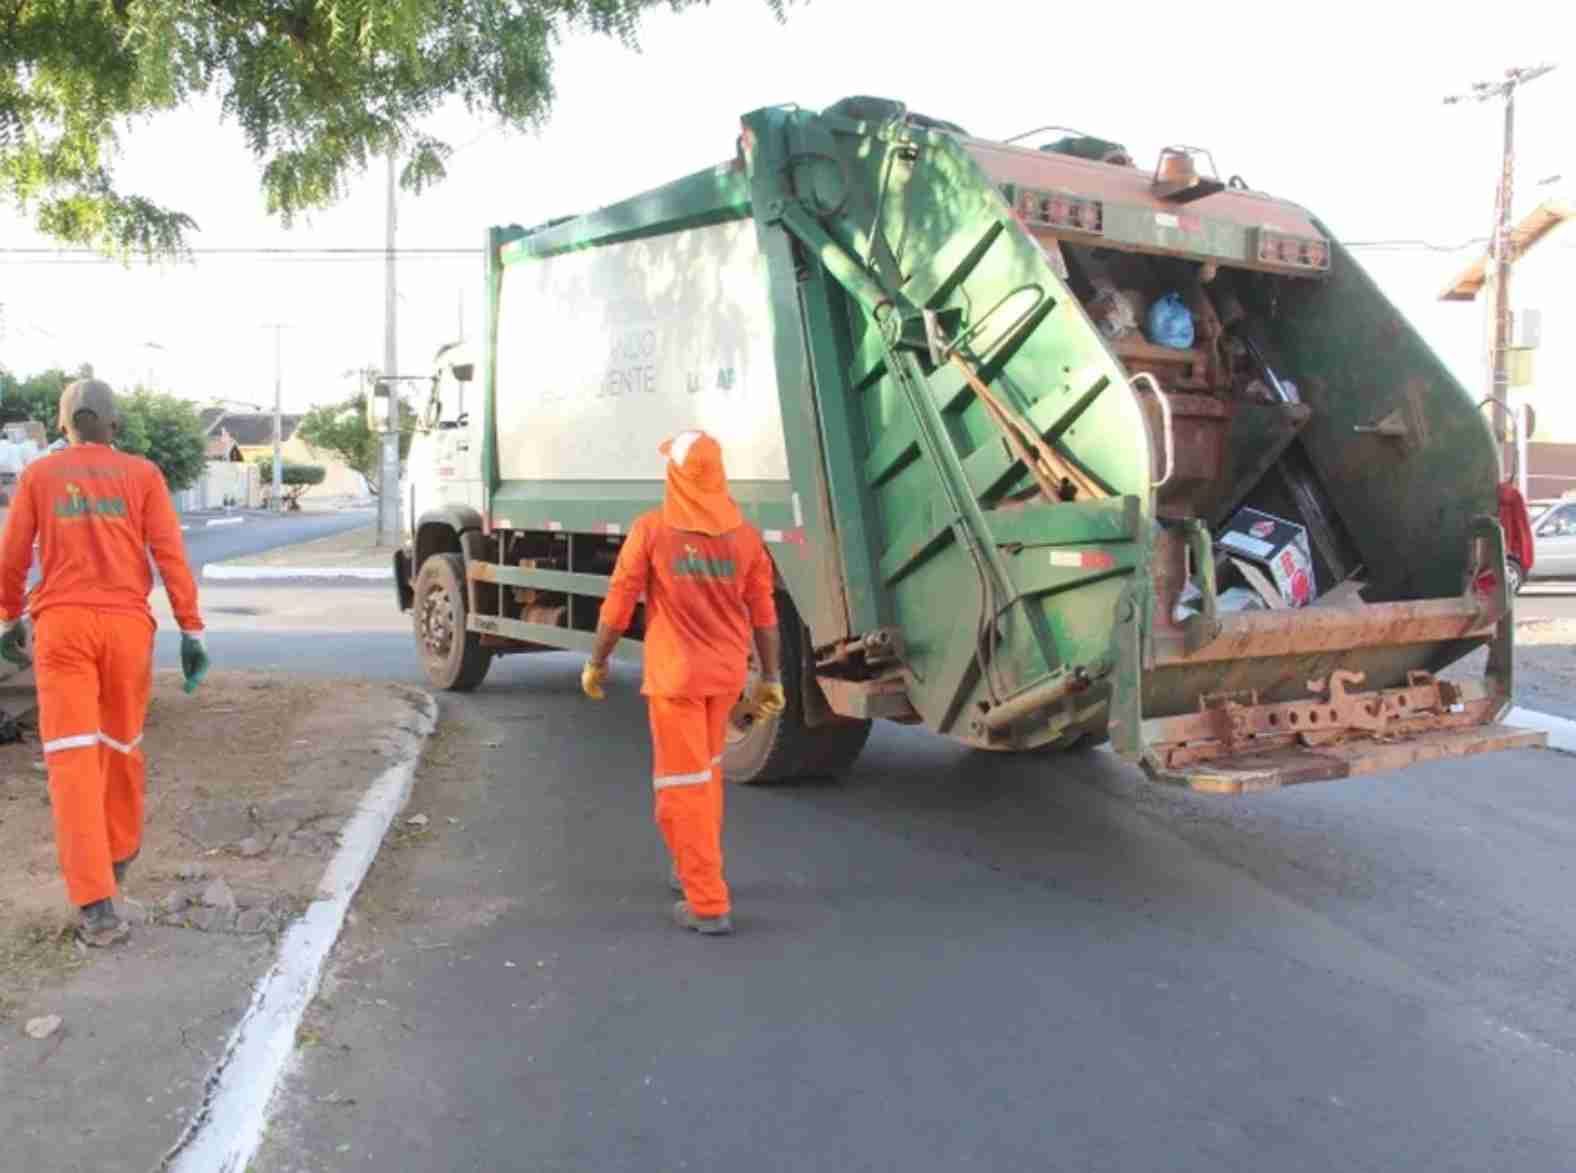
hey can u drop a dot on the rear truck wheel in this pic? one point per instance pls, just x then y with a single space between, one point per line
452 657
784 747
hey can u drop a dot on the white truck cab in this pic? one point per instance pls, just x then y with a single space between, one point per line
444 466
442 493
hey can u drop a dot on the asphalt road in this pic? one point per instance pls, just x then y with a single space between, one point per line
949 960
261 532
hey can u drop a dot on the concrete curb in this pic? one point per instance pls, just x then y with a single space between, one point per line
219 571
227 1128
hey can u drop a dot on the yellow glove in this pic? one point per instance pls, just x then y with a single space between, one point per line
592 679
769 700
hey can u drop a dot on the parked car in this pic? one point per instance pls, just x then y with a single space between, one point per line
1553 538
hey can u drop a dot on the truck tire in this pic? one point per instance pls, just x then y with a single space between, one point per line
782 748
452 657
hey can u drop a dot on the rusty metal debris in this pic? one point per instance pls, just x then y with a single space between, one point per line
1232 723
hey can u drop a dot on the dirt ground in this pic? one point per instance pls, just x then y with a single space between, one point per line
353 549
249 783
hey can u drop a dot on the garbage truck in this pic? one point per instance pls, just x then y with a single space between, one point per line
1049 449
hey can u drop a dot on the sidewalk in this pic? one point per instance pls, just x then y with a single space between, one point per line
250 784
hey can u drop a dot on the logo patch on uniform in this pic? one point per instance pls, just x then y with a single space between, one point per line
78 504
693 564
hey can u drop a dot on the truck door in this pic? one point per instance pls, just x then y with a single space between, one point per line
445 457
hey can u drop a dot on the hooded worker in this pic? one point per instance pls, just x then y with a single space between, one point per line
97 514
707 583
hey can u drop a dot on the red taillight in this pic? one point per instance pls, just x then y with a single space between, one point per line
1060 210
1299 252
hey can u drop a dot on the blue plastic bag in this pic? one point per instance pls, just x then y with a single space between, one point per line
1169 323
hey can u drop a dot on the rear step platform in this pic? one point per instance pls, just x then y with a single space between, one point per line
1250 773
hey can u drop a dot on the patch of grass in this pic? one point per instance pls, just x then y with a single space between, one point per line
36 951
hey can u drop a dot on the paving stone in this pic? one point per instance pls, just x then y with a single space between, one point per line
218 895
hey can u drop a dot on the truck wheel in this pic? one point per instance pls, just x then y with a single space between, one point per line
781 748
452 657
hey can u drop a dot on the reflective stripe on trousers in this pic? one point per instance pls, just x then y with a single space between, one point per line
663 781
83 740
687 737
95 671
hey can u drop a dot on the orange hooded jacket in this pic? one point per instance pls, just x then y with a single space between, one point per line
705 575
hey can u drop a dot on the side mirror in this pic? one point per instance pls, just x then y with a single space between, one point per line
383 407
464 372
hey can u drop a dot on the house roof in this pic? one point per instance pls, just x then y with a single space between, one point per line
1534 226
253 429
210 418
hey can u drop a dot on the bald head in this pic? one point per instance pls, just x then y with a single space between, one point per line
88 413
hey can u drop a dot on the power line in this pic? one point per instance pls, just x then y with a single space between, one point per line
254 250
38 262
1414 244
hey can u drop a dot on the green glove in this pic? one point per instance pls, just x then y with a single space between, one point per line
12 645
194 660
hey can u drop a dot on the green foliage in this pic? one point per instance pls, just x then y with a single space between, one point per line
160 427
36 397
317 88
167 431
341 428
294 479
292 475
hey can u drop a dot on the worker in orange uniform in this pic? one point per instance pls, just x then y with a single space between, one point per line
707 582
97 514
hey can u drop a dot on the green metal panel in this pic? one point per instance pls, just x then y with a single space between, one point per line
1410 501
712 196
815 582
591 506
497 240
545 580
553 637
890 221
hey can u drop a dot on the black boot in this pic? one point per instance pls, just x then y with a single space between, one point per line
711 926
101 926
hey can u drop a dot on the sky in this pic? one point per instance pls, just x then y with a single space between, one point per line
1336 106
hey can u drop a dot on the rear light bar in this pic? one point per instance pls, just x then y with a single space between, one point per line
1061 210
1298 252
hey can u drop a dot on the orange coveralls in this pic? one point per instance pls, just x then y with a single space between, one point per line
705 594
96 513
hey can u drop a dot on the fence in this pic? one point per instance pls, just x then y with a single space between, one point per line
224 482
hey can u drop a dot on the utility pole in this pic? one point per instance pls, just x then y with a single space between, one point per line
1500 245
276 495
388 464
